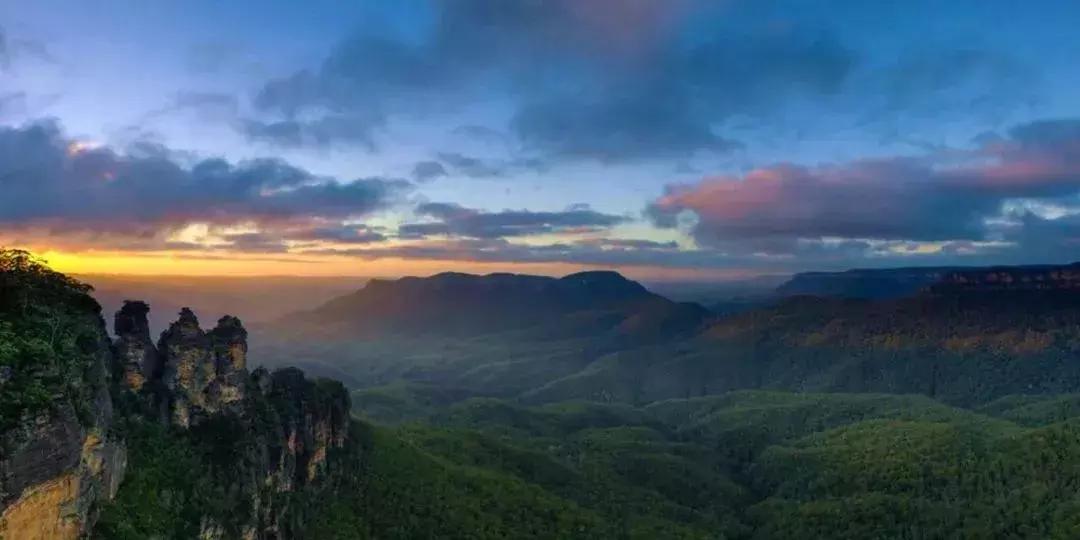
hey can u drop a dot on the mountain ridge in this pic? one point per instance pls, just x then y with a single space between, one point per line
886 283
454 303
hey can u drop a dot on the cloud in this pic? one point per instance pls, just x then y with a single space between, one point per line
458 221
615 127
321 131
57 186
472 166
344 234
476 167
13 49
212 105
936 80
428 170
588 252
948 198
5 52
608 80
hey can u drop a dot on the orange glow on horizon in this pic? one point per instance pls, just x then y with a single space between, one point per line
182 264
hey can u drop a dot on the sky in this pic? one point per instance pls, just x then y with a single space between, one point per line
675 139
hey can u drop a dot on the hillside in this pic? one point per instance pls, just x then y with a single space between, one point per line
965 347
500 333
774 465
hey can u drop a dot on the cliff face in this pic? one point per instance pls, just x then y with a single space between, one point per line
204 372
1065 278
864 283
269 440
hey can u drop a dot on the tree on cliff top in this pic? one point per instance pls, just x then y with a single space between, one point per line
48 332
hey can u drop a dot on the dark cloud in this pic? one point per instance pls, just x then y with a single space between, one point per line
425 171
458 221
208 104
1057 134
5 52
497 250
603 253
255 242
12 49
929 81
617 127
781 209
344 234
1043 239
321 131
456 163
480 133
472 166
604 80
54 185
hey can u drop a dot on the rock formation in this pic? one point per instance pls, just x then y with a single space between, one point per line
134 350
204 373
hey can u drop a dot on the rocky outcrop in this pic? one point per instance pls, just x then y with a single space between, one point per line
229 342
135 351
203 373
289 425
61 475
314 419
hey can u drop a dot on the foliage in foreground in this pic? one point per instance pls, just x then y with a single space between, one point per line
50 332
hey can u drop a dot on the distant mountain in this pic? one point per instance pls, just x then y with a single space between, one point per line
969 336
865 283
455 304
900 282
974 336
1011 278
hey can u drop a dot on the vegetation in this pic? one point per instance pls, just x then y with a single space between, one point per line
50 332
748 464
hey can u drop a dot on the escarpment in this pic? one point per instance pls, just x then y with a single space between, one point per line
128 438
59 454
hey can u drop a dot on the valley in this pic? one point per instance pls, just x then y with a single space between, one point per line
511 406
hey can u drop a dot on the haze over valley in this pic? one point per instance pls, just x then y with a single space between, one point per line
539 269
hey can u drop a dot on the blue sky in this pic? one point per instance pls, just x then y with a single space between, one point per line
703 138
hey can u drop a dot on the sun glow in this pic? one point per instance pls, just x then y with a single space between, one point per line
79 147
187 264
